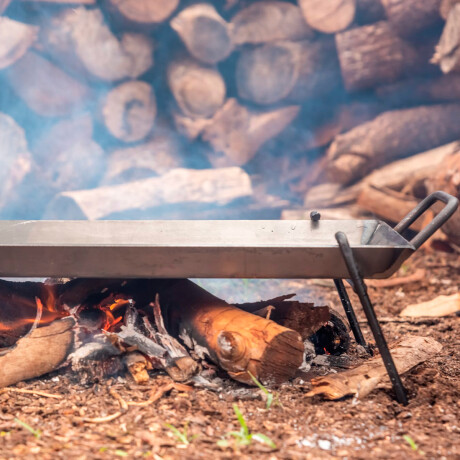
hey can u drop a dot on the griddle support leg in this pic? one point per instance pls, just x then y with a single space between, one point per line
353 321
361 290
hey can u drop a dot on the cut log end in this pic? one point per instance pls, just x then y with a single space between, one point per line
129 111
329 16
145 11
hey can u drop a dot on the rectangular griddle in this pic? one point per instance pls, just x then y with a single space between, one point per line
341 249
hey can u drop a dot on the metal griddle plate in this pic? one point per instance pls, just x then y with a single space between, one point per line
196 249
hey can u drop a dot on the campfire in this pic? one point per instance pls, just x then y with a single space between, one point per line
152 149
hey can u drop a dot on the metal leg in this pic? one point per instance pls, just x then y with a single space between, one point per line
354 324
361 290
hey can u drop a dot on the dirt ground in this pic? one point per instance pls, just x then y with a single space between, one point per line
32 426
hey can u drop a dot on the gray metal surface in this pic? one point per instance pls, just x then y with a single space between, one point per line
196 249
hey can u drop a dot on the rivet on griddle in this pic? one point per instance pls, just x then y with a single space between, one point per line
315 216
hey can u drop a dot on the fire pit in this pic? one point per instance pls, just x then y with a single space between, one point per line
224 249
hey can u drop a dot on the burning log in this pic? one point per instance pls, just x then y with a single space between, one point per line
155 157
298 70
304 318
361 381
378 56
370 145
206 35
236 133
238 341
198 90
45 88
447 53
129 111
15 160
159 347
208 187
40 352
328 17
137 365
82 42
15 39
411 17
446 176
268 21
145 11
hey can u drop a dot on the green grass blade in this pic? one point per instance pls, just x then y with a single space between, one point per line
182 438
241 419
264 440
36 433
410 441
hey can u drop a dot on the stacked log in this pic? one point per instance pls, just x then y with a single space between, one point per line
125 98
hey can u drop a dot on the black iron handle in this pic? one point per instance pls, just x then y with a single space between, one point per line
451 206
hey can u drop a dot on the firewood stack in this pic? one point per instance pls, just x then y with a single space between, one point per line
108 108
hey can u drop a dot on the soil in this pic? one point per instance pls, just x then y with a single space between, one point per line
301 427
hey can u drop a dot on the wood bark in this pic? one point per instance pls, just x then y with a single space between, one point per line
442 305
37 354
378 56
178 186
328 16
15 160
157 156
45 88
390 136
145 11
236 340
422 90
206 35
446 176
4 4
304 318
446 6
369 11
237 133
82 42
287 70
388 204
362 380
411 17
129 111
198 90
269 21
66 156
447 53
15 40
